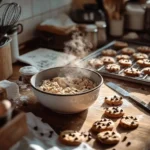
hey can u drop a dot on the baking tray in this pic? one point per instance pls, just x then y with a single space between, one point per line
142 79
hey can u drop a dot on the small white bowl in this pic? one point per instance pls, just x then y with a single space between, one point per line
70 103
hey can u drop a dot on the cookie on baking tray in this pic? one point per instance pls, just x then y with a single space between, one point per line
128 51
138 56
95 63
114 112
103 125
143 49
129 122
109 137
70 137
120 45
125 62
112 67
146 70
121 56
109 52
114 100
108 60
134 72
143 63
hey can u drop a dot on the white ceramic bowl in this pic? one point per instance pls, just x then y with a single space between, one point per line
70 103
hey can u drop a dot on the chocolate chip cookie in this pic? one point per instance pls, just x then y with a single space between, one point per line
109 52
125 62
112 67
143 63
138 56
128 51
134 72
114 100
114 112
143 49
103 125
129 122
109 137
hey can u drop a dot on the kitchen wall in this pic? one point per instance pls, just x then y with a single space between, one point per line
35 11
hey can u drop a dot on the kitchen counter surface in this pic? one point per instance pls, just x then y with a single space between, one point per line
83 121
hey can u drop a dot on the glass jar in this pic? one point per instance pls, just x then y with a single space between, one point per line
91 34
27 72
102 37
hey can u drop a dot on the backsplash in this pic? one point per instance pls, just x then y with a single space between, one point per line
35 11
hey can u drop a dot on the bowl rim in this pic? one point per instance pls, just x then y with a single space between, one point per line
82 93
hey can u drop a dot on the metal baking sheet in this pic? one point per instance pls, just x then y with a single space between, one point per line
142 79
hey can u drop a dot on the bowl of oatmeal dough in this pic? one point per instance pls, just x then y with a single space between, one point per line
67 89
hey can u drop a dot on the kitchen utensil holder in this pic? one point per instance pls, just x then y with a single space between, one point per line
5 60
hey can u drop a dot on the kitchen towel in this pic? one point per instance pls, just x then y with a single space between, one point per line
42 137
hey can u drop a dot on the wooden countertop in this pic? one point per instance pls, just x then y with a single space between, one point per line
139 138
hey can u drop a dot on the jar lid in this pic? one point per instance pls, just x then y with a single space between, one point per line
91 28
100 24
28 70
134 8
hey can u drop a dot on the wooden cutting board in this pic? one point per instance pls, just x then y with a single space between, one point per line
139 138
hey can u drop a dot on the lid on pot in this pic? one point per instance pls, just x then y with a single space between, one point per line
28 70
91 28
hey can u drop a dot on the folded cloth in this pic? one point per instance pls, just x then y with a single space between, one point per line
61 25
42 137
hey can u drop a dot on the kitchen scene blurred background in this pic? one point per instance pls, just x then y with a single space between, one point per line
76 27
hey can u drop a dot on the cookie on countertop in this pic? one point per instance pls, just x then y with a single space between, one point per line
138 56
114 100
109 137
95 63
143 63
125 62
121 56
114 112
146 70
134 72
128 51
108 60
143 49
103 125
120 45
72 138
129 122
109 52
112 67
